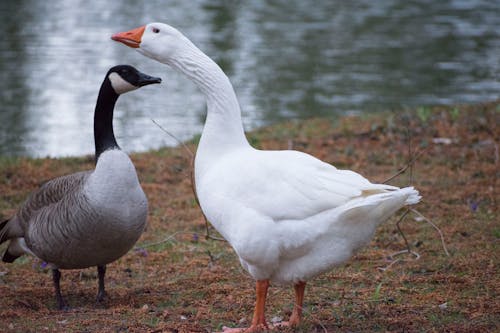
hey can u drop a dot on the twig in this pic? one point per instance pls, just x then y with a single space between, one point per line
411 160
193 184
401 231
394 260
207 226
409 154
407 250
435 227
175 138
383 269
214 257
164 240
409 164
401 171
417 256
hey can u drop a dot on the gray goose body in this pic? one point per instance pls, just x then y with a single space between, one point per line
69 225
88 218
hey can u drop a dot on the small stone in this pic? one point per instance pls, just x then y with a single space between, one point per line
442 141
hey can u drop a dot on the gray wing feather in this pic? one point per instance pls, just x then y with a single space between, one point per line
50 193
51 216
47 211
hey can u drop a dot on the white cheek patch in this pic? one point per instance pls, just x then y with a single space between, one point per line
119 84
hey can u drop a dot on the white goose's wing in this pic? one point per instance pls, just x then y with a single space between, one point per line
288 185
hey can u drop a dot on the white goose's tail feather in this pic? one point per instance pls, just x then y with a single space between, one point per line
377 208
334 235
413 195
361 216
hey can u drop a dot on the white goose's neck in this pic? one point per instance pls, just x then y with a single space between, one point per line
223 129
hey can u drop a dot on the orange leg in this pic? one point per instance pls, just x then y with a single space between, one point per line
297 307
296 316
259 320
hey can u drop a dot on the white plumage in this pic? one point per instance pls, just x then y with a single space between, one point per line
288 215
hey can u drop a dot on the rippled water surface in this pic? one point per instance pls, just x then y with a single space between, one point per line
289 59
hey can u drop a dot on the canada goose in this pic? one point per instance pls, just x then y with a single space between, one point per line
88 218
288 215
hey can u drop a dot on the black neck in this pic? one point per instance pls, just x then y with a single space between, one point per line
104 137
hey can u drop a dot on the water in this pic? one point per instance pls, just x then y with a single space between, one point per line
289 59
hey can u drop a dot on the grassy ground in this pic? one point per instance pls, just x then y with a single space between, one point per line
176 280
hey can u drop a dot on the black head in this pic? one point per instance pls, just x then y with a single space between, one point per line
125 78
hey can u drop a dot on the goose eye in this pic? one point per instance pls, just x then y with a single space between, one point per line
156 30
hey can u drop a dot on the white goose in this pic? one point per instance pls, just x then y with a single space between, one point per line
89 218
288 215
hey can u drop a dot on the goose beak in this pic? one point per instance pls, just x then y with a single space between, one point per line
131 38
145 79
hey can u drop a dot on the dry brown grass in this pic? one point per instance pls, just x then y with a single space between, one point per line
186 283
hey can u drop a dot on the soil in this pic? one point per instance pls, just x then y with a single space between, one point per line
178 280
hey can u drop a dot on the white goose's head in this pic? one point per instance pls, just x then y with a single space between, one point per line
155 40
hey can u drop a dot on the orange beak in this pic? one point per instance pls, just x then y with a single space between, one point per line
131 38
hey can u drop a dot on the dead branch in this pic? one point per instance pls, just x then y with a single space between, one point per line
175 138
434 226
415 254
383 269
410 151
167 239
394 260
207 226
193 183
407 250
401 231
408 165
